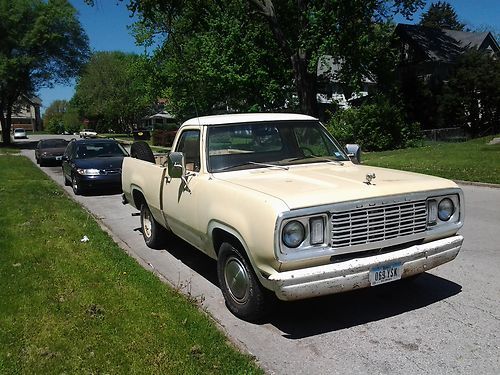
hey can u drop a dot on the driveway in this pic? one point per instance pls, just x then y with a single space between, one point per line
446 321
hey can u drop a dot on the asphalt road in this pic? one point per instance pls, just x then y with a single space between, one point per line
447 321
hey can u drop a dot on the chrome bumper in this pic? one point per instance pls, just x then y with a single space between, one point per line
353 274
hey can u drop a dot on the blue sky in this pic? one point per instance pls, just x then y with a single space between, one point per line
106 25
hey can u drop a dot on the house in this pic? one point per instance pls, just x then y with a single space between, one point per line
161 120
26 113
431 53
331 90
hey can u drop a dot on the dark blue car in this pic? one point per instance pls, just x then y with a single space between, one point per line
90 164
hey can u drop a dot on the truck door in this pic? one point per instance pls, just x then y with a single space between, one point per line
181 201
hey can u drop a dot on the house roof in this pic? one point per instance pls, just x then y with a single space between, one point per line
329 67
443 44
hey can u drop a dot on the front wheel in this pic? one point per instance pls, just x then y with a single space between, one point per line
77 189
152 231
244 295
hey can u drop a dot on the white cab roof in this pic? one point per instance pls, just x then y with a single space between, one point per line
245 117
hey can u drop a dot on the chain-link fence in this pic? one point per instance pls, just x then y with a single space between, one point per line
445 135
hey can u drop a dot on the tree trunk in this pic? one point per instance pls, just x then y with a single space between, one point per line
6 124
305 83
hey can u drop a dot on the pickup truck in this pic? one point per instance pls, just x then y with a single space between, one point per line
286 213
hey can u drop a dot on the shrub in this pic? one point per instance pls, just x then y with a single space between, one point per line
163 137
379 125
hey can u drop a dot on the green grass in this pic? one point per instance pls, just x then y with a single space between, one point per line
474 160
8 150
73 307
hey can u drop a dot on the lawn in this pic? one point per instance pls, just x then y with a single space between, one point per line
68 306
474 160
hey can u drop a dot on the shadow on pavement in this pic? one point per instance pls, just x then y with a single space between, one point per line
300 319
336 312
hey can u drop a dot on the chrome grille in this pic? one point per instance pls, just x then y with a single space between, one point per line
378 223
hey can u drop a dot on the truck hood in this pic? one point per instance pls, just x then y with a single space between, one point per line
319 184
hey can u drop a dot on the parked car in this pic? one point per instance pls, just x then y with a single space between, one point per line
20 134
93 164
88 133
50 151
281 207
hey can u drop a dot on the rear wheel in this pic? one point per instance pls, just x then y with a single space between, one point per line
142 151
244 295
152 231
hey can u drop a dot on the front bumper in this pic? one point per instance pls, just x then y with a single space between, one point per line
111 182
353 274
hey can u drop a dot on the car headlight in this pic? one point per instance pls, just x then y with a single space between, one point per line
293 234
88 172
446 209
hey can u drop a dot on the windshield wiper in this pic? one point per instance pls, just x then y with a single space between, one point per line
319 158
252 163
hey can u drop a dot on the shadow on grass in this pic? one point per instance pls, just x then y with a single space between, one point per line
300 319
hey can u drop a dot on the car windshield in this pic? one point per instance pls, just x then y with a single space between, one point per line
98 150
54 143
267 144
19 131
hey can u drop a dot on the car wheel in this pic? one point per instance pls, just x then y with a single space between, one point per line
245 297
152 231
142 151
65 179
76 186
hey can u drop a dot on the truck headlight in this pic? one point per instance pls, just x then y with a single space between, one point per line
446 209
293 234
88 172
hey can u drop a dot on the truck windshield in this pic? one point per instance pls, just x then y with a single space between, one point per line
267 144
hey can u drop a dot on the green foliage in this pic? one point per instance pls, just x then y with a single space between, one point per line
42 43
378 125
54 125
441 15
250 55
71 120
471 98
110 92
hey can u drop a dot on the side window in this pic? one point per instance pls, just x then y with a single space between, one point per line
189 144
67 152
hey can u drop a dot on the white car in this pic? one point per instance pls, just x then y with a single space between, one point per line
20 134
88 133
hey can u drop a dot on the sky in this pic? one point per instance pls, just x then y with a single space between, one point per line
106 25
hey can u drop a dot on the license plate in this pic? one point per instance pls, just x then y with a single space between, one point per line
385 274
58 157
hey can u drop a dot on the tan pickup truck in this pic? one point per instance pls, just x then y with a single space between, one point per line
286 213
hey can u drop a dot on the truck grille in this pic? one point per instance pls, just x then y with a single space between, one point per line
373 224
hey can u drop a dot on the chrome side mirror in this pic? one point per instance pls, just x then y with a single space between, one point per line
354 153
176 164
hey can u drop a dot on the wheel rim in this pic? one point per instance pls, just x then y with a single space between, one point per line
74 184
147 224
237 279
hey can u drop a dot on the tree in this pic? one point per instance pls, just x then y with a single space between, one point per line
471 97
441 15
109 91
53 116
42 43
302 31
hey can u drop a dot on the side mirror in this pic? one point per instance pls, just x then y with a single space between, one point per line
354 153
176 164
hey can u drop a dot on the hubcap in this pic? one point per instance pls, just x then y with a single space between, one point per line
75 184
146 223
237 280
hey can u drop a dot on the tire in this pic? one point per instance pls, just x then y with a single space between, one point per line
66 182
141 150
153 233
76 187
245 297
42 163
